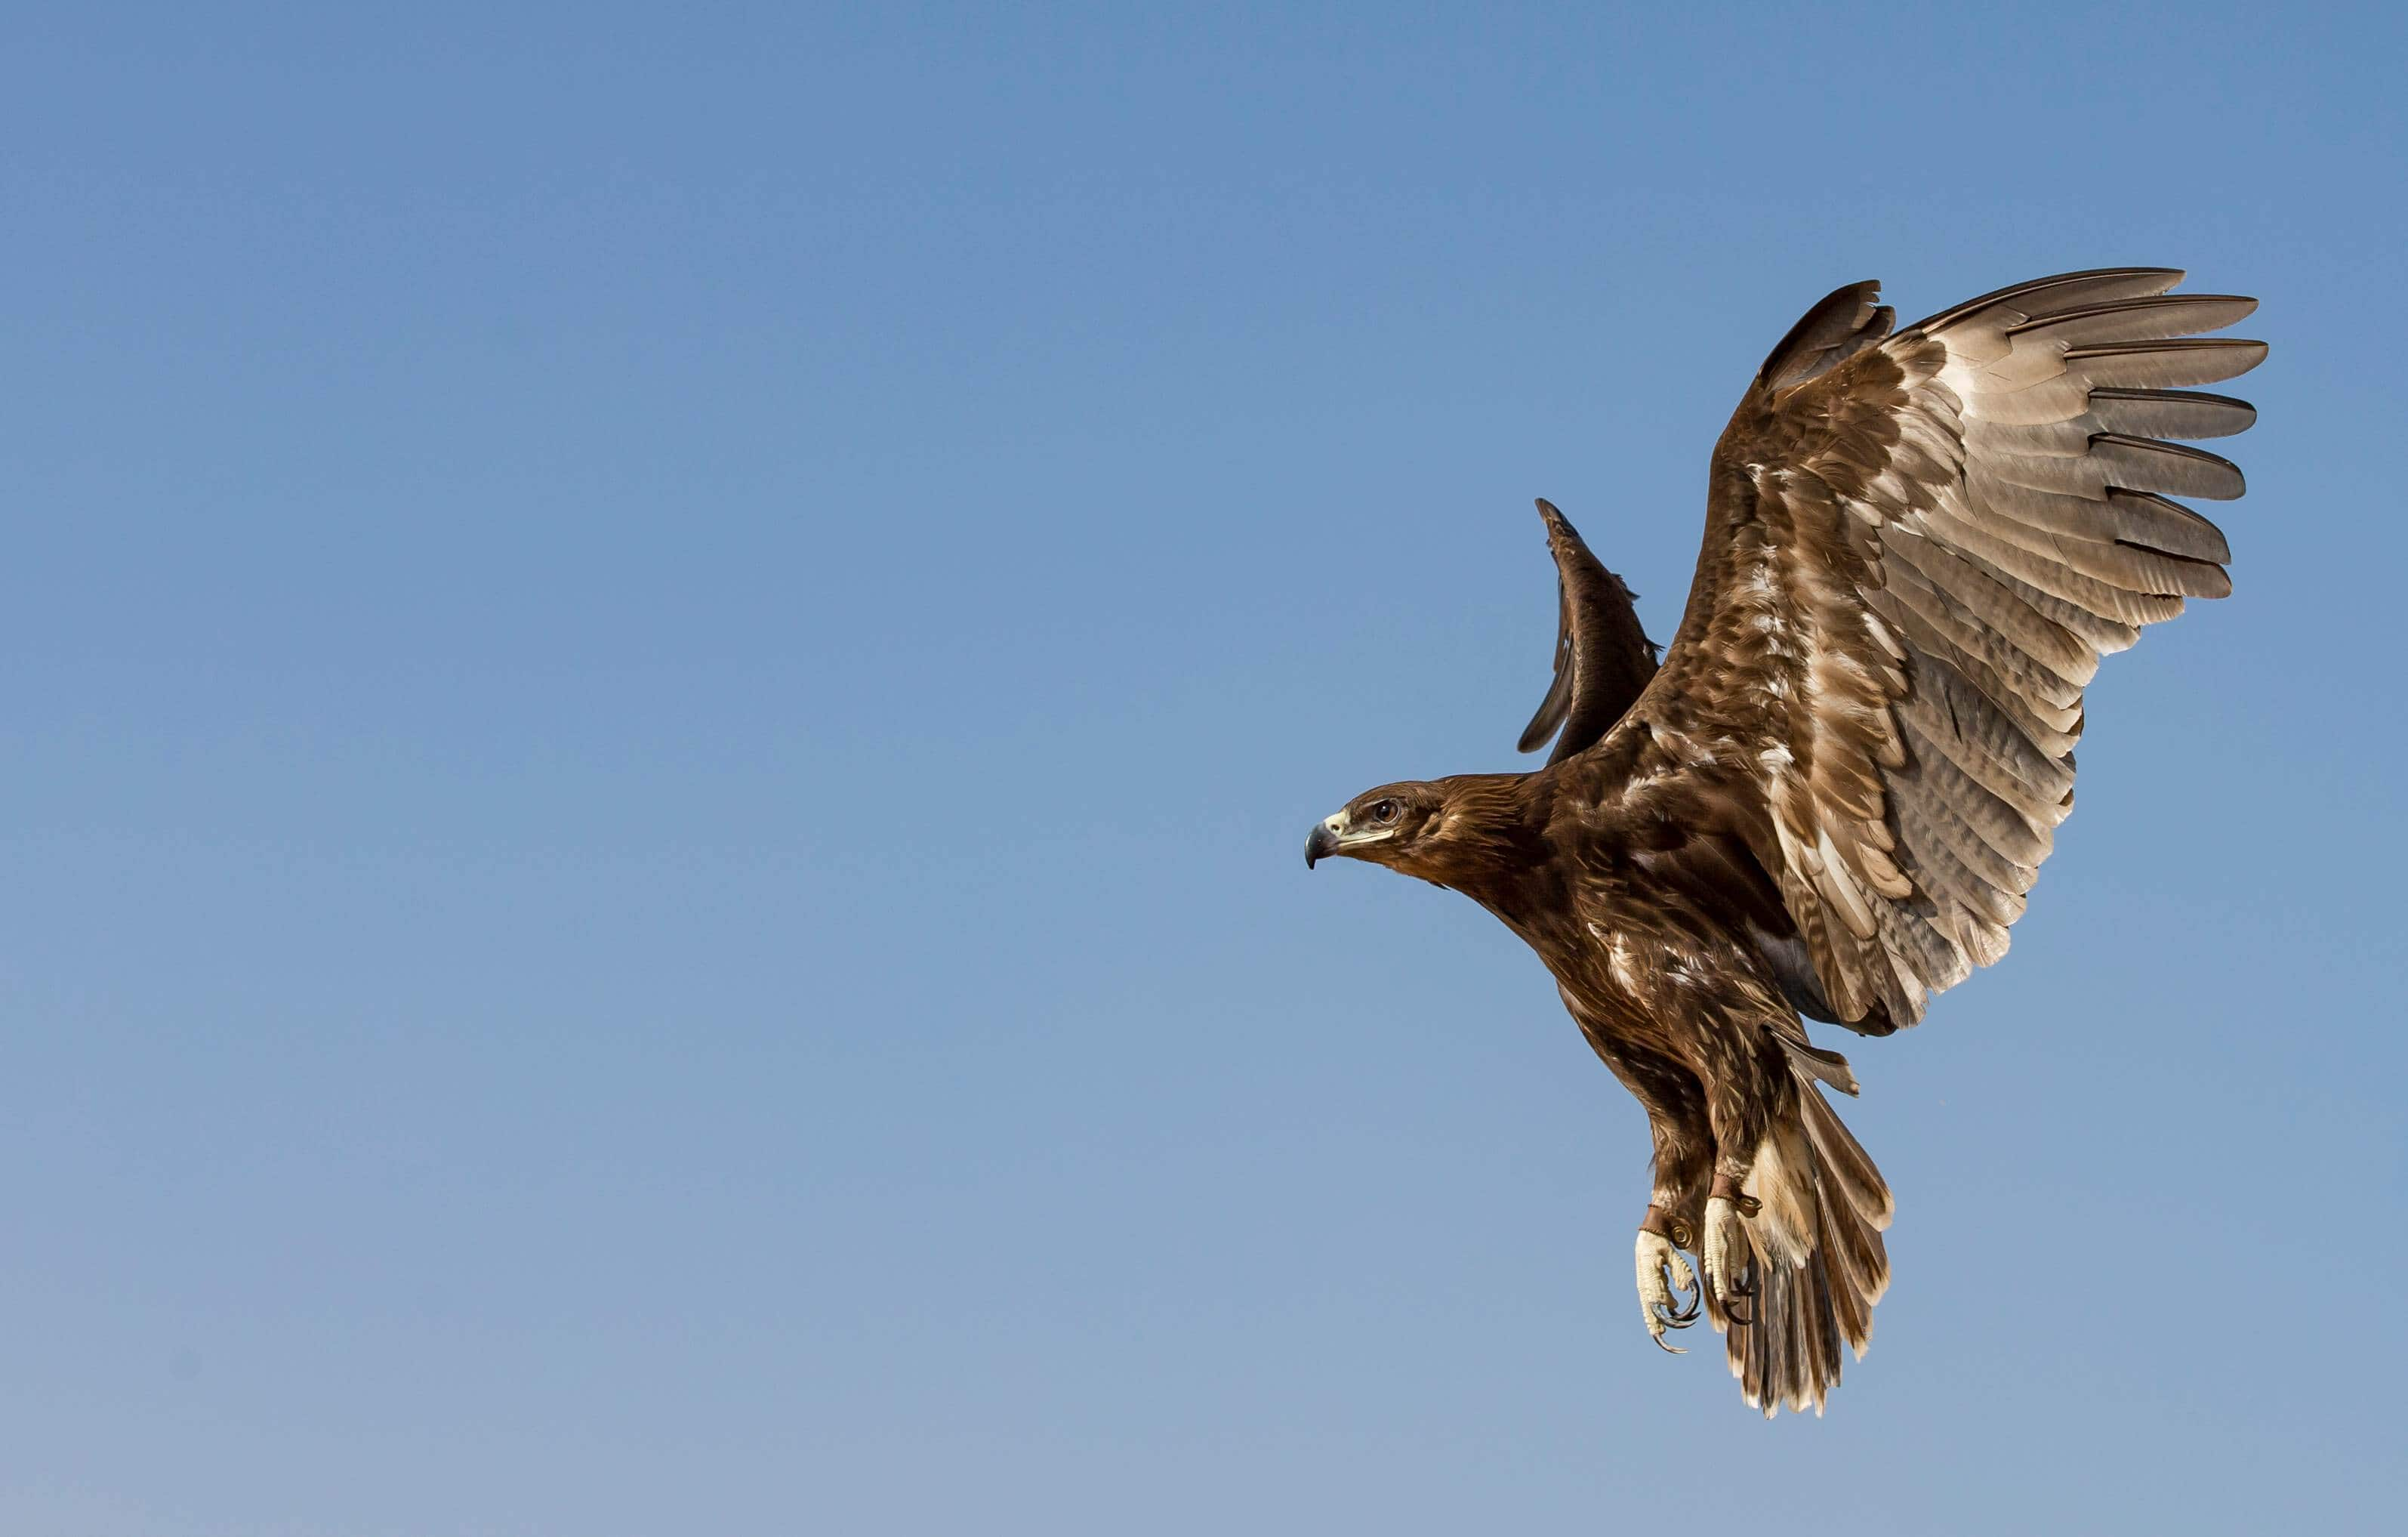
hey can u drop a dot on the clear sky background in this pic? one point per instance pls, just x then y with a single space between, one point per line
665 668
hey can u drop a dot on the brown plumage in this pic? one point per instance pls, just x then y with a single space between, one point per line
1831 798
1603 659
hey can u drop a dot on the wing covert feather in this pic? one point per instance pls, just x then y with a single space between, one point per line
1917 547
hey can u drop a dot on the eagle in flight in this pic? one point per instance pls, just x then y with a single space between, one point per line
1830 799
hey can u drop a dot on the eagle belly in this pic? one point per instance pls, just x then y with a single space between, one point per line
1654 976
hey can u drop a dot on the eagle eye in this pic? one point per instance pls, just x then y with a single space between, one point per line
1385 811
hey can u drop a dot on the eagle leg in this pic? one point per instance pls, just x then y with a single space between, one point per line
1684 1154
1728 1255
1664 1275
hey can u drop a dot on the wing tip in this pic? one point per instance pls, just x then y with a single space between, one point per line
1563 540
1840 324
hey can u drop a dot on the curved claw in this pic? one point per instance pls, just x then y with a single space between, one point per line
1680 1316
1667 1349
1669 1292
1697 1304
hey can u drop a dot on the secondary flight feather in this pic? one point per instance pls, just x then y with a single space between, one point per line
1831 798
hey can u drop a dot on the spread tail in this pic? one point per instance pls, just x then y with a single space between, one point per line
1818 1265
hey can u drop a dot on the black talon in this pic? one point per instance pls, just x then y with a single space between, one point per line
1667 1349
1730 1304
1740 1290
1683 1317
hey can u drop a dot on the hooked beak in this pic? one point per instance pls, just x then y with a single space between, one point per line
1322 844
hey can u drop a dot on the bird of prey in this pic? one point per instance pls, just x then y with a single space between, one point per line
1830 799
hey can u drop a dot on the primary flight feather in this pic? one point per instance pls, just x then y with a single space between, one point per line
1831 798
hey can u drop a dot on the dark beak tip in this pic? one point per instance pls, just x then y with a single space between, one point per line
1318 846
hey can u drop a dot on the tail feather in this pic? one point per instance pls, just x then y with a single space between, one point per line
1819 1264
1850 1267
1846 1161
1789 1352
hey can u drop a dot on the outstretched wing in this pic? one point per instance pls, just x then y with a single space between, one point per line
1603 659
1917 547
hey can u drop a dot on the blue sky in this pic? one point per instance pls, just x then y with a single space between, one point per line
666 667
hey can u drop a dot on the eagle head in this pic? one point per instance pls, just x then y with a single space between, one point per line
1402 826
1465 831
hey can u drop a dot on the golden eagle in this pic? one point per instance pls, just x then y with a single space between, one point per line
1832 796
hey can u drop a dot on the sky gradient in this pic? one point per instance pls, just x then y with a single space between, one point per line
666 670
